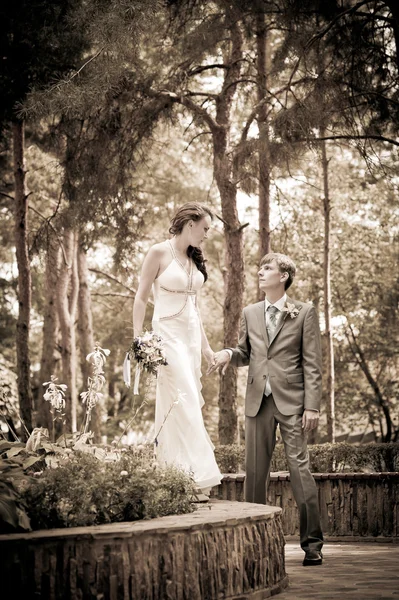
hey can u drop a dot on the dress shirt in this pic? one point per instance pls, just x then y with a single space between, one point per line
279 305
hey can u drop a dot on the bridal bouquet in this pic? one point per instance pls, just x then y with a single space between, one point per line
149 353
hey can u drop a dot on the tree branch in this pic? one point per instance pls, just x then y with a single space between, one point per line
331 24
264 101
379 138
132 291
7 196
48 221
114 279
205 94
66 81
195 137
119 295
188 103
321 34
362 362
203 68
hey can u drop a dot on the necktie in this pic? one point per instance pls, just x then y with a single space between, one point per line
272 312
271 324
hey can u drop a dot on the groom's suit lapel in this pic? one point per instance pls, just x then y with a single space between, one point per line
280 324
260 313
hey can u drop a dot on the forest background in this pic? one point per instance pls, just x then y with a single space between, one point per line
281 116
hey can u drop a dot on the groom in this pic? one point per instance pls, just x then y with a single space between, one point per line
280 341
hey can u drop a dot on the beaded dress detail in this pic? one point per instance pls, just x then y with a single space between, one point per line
183 439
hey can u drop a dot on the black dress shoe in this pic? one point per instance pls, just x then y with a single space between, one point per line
312 557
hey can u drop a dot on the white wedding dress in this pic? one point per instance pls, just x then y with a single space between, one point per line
183 439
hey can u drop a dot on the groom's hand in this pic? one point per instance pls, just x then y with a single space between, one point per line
310 419
221 361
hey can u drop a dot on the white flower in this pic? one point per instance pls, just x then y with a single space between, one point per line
55 394
98 357
148 351
124 473
292 310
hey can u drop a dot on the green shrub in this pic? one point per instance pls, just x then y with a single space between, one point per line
230 458
324 458
352 458
13 482
85 491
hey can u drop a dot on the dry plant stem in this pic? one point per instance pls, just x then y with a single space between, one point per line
163 423
16 439
143 403
3 397
130 422
86 420
24 426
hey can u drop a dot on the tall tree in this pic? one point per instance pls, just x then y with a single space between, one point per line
35 44
219 122
24 277
327 293
86 333
264 159
67 299
50 324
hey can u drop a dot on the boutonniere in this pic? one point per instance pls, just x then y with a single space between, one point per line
292 310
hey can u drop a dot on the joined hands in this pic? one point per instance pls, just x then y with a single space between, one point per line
221 361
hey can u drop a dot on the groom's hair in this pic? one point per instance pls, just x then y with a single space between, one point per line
285 265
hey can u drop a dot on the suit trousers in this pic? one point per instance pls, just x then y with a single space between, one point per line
260 439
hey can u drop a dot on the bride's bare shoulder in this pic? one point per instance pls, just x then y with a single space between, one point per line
159 250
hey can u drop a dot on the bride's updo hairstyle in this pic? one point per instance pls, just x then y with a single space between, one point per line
192 211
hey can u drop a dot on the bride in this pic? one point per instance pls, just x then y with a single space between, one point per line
176 270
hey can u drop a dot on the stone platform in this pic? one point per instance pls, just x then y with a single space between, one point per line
224 550
352 505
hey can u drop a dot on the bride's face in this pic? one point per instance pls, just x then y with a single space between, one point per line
198 230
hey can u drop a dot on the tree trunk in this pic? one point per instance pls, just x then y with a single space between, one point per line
394 8
263 150
224 173
50 329
234 288
67 293
327 297
86 337
24 279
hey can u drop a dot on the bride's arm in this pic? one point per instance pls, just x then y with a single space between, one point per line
149 272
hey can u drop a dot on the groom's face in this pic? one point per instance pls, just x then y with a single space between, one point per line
270 277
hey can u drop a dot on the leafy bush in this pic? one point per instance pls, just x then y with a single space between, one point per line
78 483
324 458
86 491
344 457
230 458
13 480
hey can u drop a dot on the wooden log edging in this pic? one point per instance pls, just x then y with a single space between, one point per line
352 505
224 550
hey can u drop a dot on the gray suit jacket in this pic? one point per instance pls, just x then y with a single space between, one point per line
292 359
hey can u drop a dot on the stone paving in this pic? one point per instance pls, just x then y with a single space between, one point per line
350 571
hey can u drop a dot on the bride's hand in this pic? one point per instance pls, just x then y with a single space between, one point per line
209 356
221 362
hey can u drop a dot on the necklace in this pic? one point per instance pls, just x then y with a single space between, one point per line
184 261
